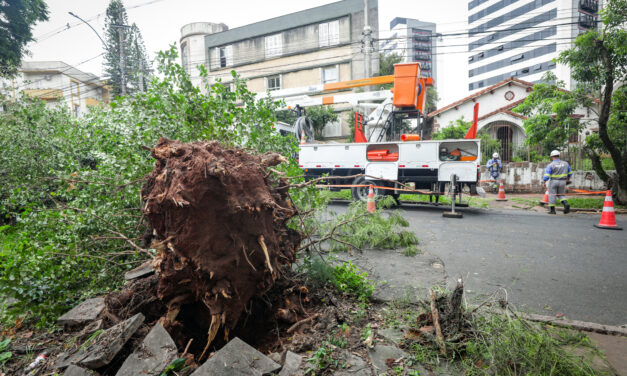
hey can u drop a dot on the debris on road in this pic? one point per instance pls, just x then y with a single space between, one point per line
83 313
155 353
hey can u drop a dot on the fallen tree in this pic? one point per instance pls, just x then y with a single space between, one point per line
219 222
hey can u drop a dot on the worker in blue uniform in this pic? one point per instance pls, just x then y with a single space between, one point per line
558 174
494 167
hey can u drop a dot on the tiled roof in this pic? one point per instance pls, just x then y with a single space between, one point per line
511 80
505 109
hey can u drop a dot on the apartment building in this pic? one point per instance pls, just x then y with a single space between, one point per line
58 82
315 46
520 38
414 41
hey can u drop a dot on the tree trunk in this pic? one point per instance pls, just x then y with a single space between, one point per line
619 183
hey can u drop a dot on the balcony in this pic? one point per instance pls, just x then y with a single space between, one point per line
422 38
422 57
587 21
422 47
590 6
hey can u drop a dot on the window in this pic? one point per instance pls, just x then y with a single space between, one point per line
517 57
274 45
329 33
330 74
184 56
225 56
500 48
77 110
273 82
537 67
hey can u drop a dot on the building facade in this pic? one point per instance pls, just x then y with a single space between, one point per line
414 41
193 51
315 46
57 82
520 38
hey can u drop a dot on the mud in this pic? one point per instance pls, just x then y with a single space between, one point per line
219 223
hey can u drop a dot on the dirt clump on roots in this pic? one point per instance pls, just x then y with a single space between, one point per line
219 225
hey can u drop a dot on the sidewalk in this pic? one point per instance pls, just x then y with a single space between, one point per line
615 350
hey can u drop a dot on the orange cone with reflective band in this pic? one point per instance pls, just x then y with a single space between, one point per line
302 137
501 195
371 205
608 219
545 200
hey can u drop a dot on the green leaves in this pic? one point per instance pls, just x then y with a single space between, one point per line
5 355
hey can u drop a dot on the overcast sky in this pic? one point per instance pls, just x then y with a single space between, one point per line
160 22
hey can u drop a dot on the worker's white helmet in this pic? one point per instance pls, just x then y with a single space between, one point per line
555 153
495 155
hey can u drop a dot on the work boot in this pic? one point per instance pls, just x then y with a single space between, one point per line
552 210
566 206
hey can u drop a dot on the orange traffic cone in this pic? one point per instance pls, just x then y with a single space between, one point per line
545 200
302 137
371 205
608 219
501 195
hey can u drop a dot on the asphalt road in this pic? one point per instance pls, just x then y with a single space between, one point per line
547 264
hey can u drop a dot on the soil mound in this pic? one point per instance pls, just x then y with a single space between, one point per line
219 223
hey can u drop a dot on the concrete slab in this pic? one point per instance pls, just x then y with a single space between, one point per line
391 334
399 276
355 366
78 371
237 358
143 270
83 313
155 353
381 353
291 364
615 350
110 342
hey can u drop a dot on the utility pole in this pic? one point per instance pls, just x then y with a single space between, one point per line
141 75
367 40
122 60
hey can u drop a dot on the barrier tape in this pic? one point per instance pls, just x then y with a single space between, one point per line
576 191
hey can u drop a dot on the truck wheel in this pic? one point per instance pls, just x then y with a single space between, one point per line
361 193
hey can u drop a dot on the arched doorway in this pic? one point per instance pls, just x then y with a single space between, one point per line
504 134
509 134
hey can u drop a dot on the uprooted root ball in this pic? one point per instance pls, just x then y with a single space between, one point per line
220 227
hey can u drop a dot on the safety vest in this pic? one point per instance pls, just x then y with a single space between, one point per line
557 170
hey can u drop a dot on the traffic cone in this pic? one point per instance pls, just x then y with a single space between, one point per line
608 219
545 200
371 205
501 195
302 137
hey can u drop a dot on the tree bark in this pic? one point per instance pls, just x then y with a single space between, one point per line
619 184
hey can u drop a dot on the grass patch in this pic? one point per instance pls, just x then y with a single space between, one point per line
590 203
411 251
345 277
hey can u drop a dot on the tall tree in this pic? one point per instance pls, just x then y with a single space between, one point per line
17 18
598 62
125 60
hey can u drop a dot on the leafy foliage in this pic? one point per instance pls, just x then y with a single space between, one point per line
349 280
17 18
321 116
549 108
5 355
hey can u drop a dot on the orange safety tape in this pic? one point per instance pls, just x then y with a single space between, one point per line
577 191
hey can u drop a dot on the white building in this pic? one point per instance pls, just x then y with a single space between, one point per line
193 51
496 117
57 82
515 38
414 41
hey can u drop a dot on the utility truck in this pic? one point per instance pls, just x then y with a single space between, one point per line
394 161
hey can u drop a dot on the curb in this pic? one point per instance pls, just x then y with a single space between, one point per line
575 324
